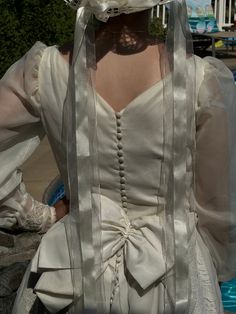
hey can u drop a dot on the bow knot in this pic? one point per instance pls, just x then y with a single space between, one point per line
128 230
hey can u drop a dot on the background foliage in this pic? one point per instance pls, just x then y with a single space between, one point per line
23 22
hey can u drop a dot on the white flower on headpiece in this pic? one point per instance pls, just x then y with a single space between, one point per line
103 9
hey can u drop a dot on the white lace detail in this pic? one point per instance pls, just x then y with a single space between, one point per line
202 282
39 218
111 12
74 4
104 9
115 282
30 214
22 211
29 298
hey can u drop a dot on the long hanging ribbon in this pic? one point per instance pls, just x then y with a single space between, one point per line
178 132
180 161
84 225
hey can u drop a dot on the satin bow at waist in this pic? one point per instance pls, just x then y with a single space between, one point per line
140 239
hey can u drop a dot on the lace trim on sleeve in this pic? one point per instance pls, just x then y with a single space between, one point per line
32 65
39 218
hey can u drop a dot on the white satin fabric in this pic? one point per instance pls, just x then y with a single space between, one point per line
132 256
132 252
104 9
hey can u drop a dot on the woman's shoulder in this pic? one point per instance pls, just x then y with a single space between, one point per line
48 62
216 86
40 52
213 77
42 65
210 66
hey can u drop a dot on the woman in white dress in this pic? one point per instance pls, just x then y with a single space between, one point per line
144 156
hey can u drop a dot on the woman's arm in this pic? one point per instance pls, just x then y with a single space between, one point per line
215 166
20 133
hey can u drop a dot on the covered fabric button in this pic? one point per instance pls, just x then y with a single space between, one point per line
118 260
120 153
121 160
124 199
122 187
123 193
122 180
118 115
119 136
118 129
124 204
122 167
118 122
119 145
118 254
121 173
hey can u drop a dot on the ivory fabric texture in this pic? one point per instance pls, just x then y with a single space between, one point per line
130 163
104 9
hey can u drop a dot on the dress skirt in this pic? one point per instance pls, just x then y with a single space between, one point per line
49 288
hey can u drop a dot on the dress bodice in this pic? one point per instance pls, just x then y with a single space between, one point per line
130 144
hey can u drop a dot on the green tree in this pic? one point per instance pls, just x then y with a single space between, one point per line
23 22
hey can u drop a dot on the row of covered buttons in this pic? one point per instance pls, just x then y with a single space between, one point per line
115 282
121 162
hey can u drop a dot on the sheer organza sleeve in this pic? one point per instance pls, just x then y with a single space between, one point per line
215 175
20 134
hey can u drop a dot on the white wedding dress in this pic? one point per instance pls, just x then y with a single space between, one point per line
130 165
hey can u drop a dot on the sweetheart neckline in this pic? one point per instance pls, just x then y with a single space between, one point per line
133 101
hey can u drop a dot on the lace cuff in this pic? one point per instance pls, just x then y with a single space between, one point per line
39 217
26 213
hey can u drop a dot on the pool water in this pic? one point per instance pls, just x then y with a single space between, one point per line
234 74
228 291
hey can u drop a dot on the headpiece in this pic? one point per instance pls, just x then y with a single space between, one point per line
104 9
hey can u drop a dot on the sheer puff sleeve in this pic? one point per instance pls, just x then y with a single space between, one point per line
215 170
20 134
